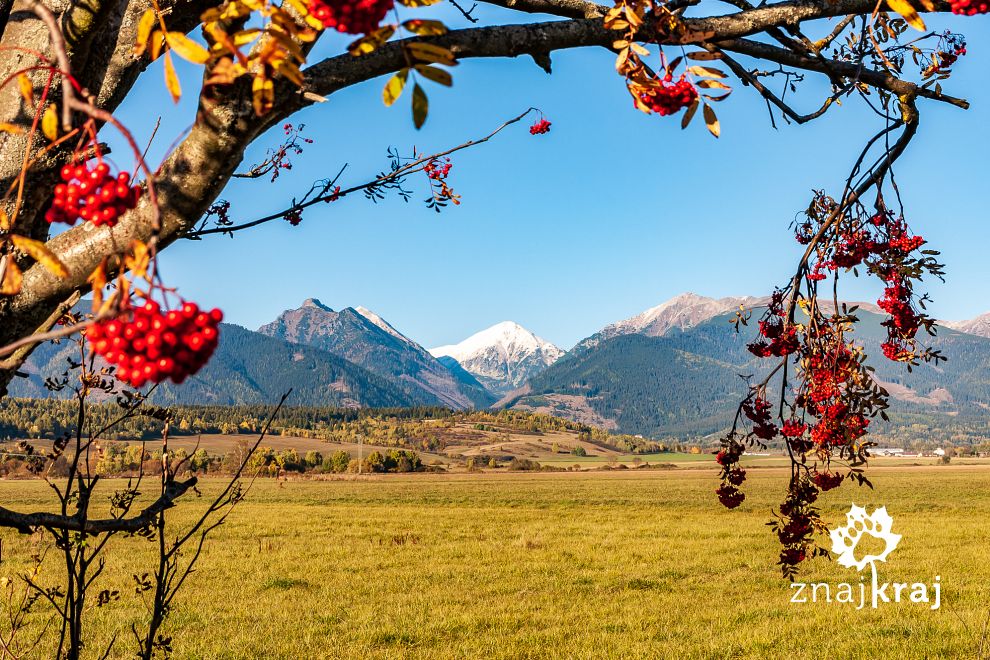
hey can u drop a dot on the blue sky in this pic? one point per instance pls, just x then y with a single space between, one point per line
609 214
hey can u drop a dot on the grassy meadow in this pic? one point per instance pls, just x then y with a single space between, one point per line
580 565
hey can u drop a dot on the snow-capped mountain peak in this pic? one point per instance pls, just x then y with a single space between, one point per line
384 325
979 325
503 356
682 311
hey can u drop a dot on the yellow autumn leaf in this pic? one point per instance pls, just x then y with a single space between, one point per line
262 95
245 36
425 28
372 41
145 25
49 123
186 48
436 75
4 221
431 53
907 12
26 87
11 283
172 80
11 128
40 253
394 86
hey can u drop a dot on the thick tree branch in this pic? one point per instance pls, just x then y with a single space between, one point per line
26 523
836 69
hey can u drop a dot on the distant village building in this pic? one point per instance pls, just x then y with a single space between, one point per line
939 452
887 451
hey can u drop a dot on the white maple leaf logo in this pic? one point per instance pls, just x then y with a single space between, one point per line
845 539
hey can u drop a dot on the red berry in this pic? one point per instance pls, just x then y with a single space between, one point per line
147 352
354 17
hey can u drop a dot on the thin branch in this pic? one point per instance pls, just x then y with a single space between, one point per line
329 195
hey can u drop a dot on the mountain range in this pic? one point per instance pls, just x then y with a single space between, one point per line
502 357
365 339
674 369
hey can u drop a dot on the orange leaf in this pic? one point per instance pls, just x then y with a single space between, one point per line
98 281
907 11
11 283
186 48
137 262
144 31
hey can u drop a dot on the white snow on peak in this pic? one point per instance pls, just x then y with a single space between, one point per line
508 339
384 325
979 325
682 311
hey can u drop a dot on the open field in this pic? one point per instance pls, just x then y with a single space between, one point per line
617 564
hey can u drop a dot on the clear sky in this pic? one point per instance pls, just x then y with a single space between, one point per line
610 213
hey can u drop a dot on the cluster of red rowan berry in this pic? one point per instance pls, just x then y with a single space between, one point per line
969 7
757 410
539 128
951 48
90 192
150 345
669 97
350 16
838 426
438 170
827 480
732 477
294 217
795 526
883 243
783 339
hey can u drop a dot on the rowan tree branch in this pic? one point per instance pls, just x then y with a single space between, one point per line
836 69
26 523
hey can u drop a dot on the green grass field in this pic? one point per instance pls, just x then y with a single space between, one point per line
589 565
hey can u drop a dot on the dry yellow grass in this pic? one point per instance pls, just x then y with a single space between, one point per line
588 565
